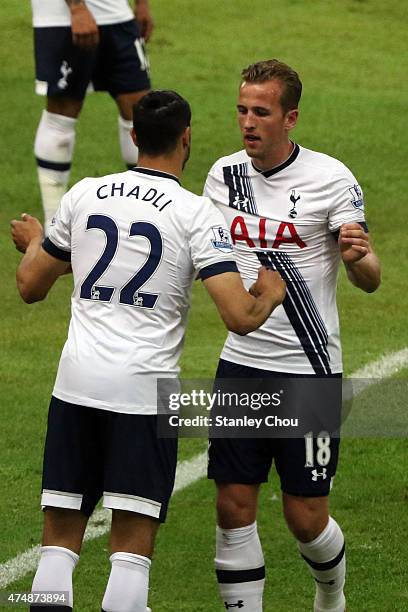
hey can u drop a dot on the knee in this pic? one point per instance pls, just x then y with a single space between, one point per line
235 508
68 107
306 519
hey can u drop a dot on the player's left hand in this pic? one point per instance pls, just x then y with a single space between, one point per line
144 18
22 232
353 242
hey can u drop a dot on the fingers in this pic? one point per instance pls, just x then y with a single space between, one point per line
355 241
351 226
360 249
148 29
86 41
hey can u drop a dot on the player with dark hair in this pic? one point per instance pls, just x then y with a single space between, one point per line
135 241
301 213
81 45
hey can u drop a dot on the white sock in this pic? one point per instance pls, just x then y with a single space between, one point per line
53 148
128 149
240 568
128 583
327 562
54 572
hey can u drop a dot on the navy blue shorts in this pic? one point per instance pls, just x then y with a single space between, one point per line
306 466
118 65
90 453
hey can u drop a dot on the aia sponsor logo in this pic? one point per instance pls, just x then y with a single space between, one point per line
286 233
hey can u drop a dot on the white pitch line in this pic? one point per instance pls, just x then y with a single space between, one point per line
191 470
385 366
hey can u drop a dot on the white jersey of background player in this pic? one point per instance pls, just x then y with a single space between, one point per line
57 13
83 45
287 218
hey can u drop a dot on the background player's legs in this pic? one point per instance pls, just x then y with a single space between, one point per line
125 104
132 544
62 539
321 544
239 559
53 148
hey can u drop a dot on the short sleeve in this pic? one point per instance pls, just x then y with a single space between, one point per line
58 242
210 242
212 183
346 200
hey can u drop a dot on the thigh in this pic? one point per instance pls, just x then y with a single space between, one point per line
122 66
73 457
233 459
140 467
239 460
307 466
62 69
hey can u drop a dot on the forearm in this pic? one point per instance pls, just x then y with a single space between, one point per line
365 273
249 314
24 274
260 310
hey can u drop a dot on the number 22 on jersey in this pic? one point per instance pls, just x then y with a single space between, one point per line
130 293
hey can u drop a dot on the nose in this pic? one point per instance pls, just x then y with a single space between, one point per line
249 121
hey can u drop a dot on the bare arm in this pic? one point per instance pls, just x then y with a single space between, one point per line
85 32
144 18
243 311
362 264
37 271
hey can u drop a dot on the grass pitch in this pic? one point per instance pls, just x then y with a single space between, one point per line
352 60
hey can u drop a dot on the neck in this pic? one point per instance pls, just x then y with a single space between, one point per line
275 158
171 164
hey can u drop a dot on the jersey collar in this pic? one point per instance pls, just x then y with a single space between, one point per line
166 175
285 164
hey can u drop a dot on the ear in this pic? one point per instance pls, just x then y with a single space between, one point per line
186 137
291 119
133 135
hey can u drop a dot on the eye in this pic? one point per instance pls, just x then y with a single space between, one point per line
261 112
242 110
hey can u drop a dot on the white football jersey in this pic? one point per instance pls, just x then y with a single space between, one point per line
50 13
136 240
286 219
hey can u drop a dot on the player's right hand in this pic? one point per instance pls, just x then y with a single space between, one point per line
269 283
22 232
85 33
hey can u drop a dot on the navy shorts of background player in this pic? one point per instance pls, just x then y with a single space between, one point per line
92 453
118 64
249 460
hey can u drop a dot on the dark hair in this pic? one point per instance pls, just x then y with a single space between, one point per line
159 119
269 70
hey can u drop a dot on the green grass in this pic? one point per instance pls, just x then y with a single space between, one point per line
352 57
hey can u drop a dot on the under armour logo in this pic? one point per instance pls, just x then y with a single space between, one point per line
293 199
65 71
241 202
322 474
239 604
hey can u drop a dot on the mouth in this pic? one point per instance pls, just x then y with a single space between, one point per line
251 138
